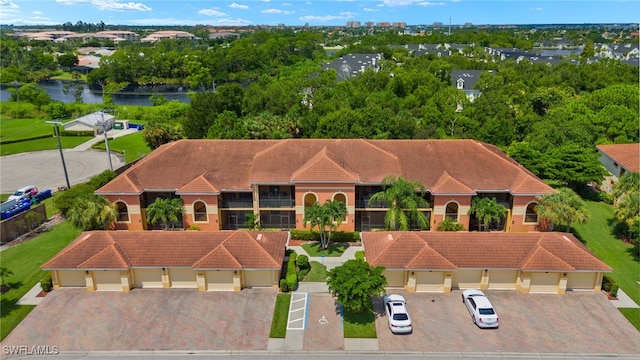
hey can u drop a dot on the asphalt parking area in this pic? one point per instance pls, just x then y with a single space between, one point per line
149 319
577 322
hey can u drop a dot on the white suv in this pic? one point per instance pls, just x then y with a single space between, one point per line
26 192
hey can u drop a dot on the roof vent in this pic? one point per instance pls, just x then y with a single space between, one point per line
390 237
259 238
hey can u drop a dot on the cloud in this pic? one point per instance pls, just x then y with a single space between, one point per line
192 22
277 11
212 12
348 14
325 18
37 13
395 3
369 9
111 5
8 5
238 6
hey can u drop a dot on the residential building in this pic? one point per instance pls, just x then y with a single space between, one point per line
96 122
618 159
353 64
168 34
465 81
221 181
353 24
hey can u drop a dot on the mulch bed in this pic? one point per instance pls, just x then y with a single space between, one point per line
302 242
42 294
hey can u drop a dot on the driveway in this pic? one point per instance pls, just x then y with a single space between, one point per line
577 322
149 319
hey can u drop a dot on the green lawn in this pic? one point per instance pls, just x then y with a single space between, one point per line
280 315
318 273
15 129
633 315
24 261
42 144
597 233
359 325
334 250
132 146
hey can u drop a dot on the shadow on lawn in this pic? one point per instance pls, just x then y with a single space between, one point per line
334 249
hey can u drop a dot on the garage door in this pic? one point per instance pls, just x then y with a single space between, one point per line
219 280
395 278
148 278
466 279
581 281
71 278
503 279
429 281
107 280
258 278
544 283
182 278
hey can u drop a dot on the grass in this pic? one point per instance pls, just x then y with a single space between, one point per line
42 144
318 273
597 234
359 325
132 146
24 260
633 315
280 316
15 129
334 250
67 76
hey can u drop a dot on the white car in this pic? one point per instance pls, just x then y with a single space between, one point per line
397 314
480 308
24 193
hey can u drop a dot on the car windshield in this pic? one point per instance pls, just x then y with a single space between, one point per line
17 193
400 317
487 311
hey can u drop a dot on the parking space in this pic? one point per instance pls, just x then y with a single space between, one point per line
297 319
145 319
577 322
324 331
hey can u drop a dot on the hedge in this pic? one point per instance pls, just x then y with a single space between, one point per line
336 236
77 133
290 282
24 139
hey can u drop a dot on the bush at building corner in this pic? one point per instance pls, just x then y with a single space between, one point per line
46 284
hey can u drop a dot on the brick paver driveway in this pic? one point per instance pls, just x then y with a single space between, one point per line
577 322
144 319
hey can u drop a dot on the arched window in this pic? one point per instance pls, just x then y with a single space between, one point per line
309 200
452 211
199 211
531 216
123 211
343 199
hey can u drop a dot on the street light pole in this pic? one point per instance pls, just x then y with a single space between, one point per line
106 138
64 166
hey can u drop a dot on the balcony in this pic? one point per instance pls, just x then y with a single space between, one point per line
276 201
237 204
364 203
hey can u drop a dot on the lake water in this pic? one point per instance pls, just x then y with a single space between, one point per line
132 96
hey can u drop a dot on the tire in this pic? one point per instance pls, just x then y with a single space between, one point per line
474 320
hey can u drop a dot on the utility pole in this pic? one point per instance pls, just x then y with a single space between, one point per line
105 123
449 25
64 166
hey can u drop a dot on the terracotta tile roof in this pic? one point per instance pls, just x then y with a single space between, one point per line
199 185
237 164
479 250
627 155
213 250
448 185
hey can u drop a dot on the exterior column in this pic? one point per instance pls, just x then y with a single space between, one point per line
201 281
88 278
125 280
236 281
165 278
446 288
54 279
598 285
562 286
484 281
523 282
411 282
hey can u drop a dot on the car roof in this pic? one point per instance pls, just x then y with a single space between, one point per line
395 297
482 301
26 188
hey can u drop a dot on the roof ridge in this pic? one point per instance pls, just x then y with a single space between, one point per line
428 247
325 154
258 243
394 156
539 248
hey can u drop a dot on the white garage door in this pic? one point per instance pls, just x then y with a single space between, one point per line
182 278
148 278
503 279
258 278
544 283
221 280
107 280
395 278
581 281
429 281
466 279
71 278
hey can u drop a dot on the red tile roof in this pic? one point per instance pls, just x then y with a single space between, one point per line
479 250
443 166
627 155
200 250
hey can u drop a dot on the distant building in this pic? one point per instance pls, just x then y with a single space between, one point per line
618 159
369 24
168 34
400 25
437 24
353 64
465 81
383 24
91 122
353 24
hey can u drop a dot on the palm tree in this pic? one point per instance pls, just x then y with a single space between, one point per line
4 273
562 207
448 224
628 208
488 211
326 217
165 211
252 221
629 182
92 213
404 198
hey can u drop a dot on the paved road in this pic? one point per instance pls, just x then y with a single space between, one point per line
44 168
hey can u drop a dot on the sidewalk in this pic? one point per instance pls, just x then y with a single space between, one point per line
31 297
111 133
624 301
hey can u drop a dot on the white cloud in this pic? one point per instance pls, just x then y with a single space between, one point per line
191 22
277 11
323 18
212 12
369 9
348 14
112 5
286 4
394 3
539 9
238 6
37 13
8 5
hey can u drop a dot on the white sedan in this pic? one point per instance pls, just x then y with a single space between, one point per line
480 308
397 314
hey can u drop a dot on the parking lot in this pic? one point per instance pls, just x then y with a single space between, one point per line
577 322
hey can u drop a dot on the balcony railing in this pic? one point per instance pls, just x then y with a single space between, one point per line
364 203
238 203
276 202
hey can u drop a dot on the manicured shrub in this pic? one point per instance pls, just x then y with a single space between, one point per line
336 236
607 282
292 281
359 255
303 262
614 290
46 283
283 285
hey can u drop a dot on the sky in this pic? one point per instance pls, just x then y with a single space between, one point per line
317 12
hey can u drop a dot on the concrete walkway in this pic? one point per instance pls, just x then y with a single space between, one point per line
111 133
31 297
624 301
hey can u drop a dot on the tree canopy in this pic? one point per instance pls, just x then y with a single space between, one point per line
354 283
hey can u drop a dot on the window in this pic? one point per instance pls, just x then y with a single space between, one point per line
452 211
531 216
200 211
343 199
123 211
309 200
